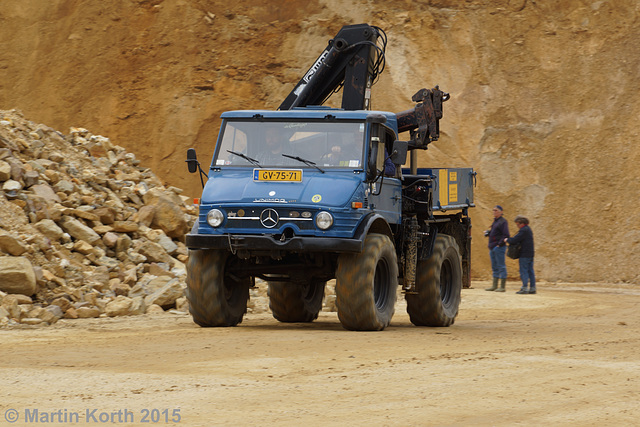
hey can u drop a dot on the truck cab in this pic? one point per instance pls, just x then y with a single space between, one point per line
305 178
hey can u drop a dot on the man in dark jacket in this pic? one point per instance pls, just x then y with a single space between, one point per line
525 238
497 233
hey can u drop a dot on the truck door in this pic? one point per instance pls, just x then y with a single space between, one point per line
385 192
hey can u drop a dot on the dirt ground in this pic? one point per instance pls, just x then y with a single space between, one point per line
566 356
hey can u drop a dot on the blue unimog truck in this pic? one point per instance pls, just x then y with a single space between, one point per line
307 194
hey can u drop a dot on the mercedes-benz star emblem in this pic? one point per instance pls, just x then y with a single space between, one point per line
269 218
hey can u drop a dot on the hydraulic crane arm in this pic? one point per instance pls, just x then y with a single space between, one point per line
352 59
422 121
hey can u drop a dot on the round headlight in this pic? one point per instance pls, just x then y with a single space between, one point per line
324 220
215 218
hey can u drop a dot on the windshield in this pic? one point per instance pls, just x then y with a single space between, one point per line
325 144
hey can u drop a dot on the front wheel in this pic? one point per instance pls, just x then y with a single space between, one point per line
216 297
366 285
292 302
438 286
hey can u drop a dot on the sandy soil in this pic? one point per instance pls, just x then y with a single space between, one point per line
566 356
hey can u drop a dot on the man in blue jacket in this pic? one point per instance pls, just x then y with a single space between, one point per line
525 238
497 233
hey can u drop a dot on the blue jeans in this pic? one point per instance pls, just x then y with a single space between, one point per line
498 264
526 273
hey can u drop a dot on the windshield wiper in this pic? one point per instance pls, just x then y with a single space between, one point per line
305 161
244 156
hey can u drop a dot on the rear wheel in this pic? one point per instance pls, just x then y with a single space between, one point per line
216 298
291 302
366 285
438 286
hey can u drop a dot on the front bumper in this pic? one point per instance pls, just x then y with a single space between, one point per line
234 242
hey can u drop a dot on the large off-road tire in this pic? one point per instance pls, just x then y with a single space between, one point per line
366 285
294 302
438 286
216 298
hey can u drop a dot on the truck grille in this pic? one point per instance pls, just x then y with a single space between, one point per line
269 218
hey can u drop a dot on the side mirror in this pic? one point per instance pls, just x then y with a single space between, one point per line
399 154
193 165
372 160
192 160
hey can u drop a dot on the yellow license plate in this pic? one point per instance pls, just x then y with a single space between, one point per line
286 175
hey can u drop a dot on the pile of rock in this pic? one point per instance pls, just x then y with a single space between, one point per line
85 231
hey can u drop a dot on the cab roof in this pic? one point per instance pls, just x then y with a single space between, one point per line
313 113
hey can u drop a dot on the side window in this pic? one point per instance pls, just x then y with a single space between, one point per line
388 139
